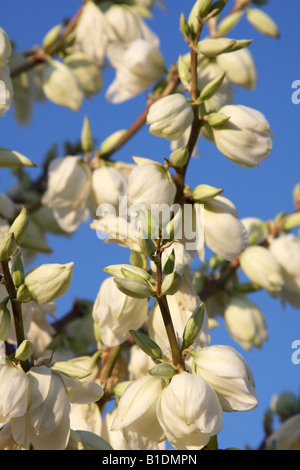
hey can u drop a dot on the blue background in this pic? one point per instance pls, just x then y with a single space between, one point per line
261 192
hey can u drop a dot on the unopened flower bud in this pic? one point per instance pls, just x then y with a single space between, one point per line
262 22
118 270
18 274
147 344
23 294
214 47
204 192
147 246
86 136
163 370
296 195
8 247
24 351
200 8
229 22
285 405
193 326
52 36
211 88
171 284
169 264
71 370
170 116
49 282
20 226
13 159
134 288
5 320
180 157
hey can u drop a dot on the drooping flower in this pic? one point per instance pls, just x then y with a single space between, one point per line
189 412
116 313
69 186
246 138
170 116
138 64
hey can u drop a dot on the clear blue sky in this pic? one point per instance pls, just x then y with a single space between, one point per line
261 192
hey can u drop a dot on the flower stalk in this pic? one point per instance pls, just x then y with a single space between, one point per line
16 309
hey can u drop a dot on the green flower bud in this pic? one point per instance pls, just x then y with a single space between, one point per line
211 88
86 136
201 8
137 259
147 344
262 22
240 44
24 351
229 22
147 246
285 405
204 192
296 195
111 142
180 157
52 36
172 228
23 294
18 274
183 70
184 26
169 264
119 389
13 159
118 270
134 288
163 370
171 284
8 247
149 223
291 221
214 47
217 119
71 370
5 320
193 326
20 226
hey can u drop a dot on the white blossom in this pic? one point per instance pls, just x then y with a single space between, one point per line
69 186
262 268
246 137
228 374
286 250
170 116
189 412
245 322
138 64
116 313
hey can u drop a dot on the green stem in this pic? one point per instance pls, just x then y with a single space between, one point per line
167 319
166 315
16 309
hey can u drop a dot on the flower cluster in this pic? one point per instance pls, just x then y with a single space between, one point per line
144 342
